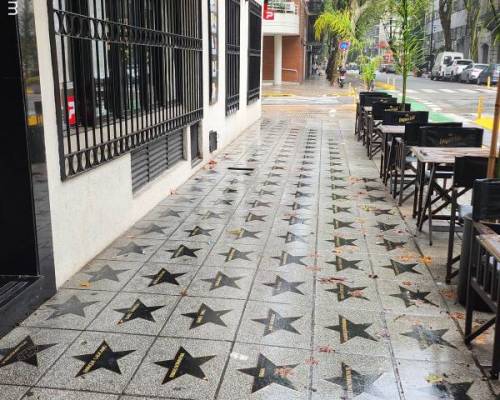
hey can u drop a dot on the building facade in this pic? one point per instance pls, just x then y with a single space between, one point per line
112 105
285 41
488 51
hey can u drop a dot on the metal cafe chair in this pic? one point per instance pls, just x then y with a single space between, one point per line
432 136
374 136
386 147
466 171
360 108
483 283
365 103
404 162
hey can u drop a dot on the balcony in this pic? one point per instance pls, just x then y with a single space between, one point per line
283 18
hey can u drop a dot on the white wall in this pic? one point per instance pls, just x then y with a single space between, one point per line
91 210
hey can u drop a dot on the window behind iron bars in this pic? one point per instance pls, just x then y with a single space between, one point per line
127 72
232 56
254 50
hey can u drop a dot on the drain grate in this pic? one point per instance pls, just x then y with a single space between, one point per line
241 169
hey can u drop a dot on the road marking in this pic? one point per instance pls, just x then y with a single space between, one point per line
467 91
428 90
411 91
447 90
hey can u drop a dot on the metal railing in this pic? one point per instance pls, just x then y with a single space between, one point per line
127 72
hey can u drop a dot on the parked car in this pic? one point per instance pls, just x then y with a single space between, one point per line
454 70
382 67
471 73
443 60
493 71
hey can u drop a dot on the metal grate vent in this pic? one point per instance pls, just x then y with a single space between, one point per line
153 159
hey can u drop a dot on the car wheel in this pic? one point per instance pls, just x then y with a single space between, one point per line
432 77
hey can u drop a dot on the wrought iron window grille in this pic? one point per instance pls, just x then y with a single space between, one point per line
127 72
254 50
233 11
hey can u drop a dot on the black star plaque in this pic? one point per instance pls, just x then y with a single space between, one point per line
447 390
133 248
386 227
349 330
221 280
182 251
163 276
267 373
293 220
257 204
275 322
72 306
287 258
104 358
138 310
253 217
206 315
338 224
281 285
184 364
196 231
345 292
352 382
171 213
427 337
400 268
292 238
244 233
235 254
105 272
340 241
391 245
25 351
153 228
342 264
411 298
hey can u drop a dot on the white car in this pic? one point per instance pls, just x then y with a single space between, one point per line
471 73
454 70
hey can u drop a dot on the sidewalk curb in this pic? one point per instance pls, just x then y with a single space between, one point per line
485 122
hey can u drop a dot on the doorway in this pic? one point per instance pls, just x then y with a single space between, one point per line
26 253
485 51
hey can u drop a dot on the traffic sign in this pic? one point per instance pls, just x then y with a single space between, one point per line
344 45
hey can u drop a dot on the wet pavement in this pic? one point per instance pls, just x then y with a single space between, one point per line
284 271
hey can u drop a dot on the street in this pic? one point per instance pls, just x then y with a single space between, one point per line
458 101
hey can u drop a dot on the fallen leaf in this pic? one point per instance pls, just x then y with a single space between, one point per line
433 379
457 315
331 280
85 284
283 372
325 349
311 361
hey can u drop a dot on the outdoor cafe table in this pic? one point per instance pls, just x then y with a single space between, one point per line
430 158
388 132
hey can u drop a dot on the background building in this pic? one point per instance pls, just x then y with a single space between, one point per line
112 105
287 54
489 52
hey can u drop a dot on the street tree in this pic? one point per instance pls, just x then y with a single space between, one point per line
407 43
473 27
445 10
344 20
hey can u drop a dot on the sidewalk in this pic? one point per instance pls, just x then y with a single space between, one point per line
291 275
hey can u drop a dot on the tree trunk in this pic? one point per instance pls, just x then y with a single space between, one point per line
473 28
445 9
